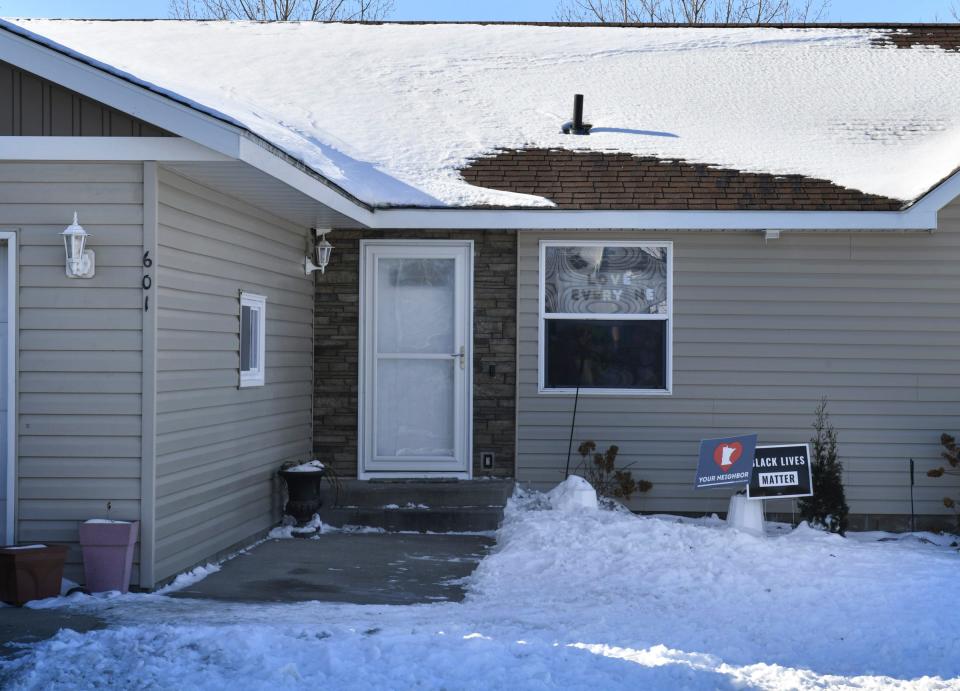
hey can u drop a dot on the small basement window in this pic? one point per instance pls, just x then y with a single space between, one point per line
253 321
606 317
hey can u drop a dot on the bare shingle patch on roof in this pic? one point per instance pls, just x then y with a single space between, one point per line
946 37
900 35
619 181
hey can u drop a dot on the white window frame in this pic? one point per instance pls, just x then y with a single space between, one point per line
543 317
254 377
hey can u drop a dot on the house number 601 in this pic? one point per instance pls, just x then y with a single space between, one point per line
147 281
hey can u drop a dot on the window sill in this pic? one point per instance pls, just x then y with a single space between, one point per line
611 393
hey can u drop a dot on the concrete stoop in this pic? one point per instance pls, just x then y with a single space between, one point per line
425 506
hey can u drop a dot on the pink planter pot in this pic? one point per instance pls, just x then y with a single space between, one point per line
108 554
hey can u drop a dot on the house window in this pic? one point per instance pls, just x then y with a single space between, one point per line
253 321
606 317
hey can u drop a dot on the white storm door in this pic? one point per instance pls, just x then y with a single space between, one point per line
415 350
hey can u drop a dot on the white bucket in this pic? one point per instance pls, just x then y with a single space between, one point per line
746 514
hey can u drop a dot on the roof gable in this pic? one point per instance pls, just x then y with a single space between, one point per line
33 106
391 113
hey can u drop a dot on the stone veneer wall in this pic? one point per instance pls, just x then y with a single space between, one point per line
336 348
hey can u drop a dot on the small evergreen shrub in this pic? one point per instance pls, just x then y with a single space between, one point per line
599 469
951 452
827 508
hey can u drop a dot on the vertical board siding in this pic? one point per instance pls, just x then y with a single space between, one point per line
31 106
80 348
761 332
218 446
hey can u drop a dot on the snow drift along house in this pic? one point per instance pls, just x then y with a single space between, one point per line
760 217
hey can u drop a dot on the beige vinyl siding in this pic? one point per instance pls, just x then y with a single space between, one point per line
761 332
79 348
219 446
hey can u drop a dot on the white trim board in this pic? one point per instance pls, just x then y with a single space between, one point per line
221 134
10 424
913 219
148 351
161 149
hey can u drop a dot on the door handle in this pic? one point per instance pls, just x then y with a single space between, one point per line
462 355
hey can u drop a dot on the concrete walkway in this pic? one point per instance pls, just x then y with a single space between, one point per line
371 568
23 625
374 568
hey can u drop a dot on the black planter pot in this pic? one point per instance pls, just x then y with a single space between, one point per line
303 494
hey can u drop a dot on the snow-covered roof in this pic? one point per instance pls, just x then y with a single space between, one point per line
392 113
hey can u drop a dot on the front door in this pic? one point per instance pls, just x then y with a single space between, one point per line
415 358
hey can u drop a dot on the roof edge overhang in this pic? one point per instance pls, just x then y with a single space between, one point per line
212 130
219 136
550 219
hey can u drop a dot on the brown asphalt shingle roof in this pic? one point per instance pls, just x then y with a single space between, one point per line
619 181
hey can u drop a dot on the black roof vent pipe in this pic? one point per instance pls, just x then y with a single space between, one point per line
577 125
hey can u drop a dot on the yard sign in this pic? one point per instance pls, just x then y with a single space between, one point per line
781 471
726 461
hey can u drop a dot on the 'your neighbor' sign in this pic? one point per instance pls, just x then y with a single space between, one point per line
781 471
726 461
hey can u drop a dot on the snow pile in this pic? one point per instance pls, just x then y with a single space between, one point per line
392 112
573 494
188 578
308 467
289 531
568 600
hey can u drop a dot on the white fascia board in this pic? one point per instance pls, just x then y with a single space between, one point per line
268 162
165 149
139 101
939 196
546 219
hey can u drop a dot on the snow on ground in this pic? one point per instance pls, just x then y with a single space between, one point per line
391 112
575 599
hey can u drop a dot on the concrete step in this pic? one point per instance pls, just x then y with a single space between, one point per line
443 520
418 505
376 494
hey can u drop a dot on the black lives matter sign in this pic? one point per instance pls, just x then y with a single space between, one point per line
781 471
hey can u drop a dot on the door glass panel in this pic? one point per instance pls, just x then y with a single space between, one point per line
415 407
415 305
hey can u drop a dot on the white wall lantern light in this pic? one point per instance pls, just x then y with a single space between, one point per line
322 250
81 262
